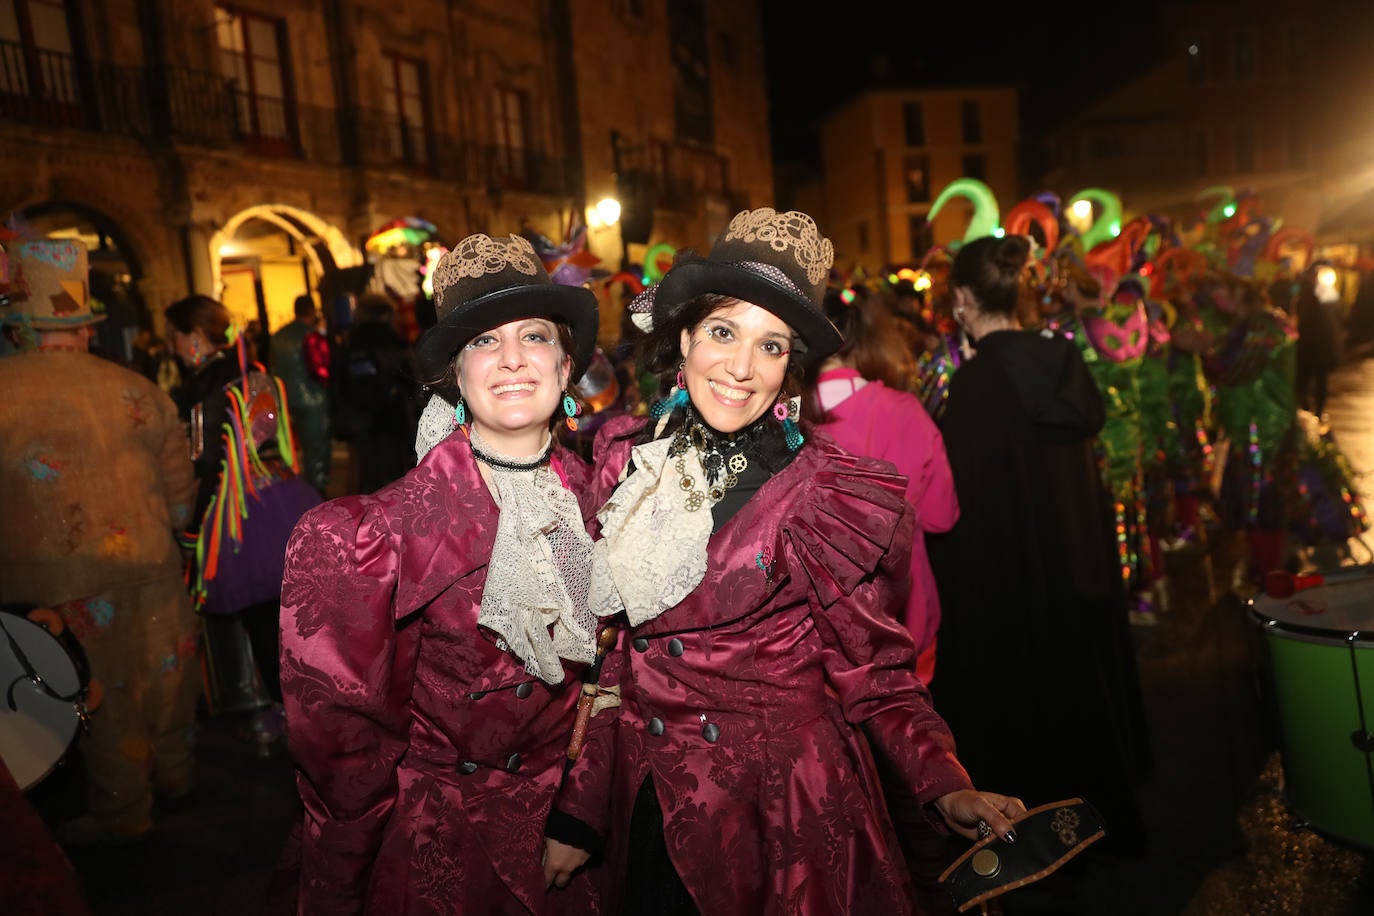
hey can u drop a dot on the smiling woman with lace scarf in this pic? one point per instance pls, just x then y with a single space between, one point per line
433 633
760 569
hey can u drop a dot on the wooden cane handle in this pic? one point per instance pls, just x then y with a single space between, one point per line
584 715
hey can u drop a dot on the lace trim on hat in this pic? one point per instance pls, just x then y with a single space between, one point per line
641 307
793 231
773 273
479 255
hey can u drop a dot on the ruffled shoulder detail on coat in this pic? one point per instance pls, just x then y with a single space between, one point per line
852 519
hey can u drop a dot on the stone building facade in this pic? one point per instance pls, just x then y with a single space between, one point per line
249 148
888 153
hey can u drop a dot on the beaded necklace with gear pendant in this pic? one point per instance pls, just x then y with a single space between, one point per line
721 473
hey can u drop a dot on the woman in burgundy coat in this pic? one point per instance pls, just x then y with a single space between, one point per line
432 632
756 566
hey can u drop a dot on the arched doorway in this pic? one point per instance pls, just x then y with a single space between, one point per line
265 256
115 271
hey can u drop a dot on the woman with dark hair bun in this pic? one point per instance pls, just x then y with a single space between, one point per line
1034 650
986 275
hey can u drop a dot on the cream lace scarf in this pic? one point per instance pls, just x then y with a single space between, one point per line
535 598
652 551
436 423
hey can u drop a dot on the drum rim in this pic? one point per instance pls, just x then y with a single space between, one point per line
67 745
1325 634
71 735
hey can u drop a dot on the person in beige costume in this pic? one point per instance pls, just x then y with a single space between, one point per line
95 478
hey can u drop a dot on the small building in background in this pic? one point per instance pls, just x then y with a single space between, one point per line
887 153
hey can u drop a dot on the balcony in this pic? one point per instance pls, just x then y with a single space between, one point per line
678 176
388 141
49 89
205 109
502 168
202 108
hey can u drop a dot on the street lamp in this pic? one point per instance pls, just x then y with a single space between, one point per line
606 212
1081 215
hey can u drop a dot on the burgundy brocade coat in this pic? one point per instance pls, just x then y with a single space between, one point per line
742 701
427 758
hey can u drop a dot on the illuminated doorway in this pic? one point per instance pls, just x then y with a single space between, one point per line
266 256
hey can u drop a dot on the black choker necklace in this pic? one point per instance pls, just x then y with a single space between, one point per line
507 464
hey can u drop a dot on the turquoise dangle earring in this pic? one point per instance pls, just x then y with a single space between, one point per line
460 412
787 412
572 409
676 398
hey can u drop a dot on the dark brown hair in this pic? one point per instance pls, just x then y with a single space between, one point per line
660 353
874 342
991 269
199 312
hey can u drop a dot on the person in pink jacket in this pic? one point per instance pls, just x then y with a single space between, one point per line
856 398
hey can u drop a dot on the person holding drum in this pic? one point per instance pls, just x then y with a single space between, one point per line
95 476
433 632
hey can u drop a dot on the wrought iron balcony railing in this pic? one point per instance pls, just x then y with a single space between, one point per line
202 108
38 85
679 176
47 88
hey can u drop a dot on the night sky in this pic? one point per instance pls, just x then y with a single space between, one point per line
1062 55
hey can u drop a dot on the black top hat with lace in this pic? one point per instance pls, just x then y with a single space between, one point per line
485 282
778 261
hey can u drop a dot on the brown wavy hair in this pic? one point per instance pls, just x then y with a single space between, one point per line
200 312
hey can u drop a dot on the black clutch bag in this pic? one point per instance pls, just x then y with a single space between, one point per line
1046 838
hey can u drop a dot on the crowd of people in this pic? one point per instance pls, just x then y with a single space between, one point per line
743 638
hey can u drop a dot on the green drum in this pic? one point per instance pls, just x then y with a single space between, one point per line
1321 653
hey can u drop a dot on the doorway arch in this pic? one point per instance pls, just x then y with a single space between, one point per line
266 255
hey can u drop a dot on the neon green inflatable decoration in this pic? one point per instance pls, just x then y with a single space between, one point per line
1226 197
985 212
1107 226
655 259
